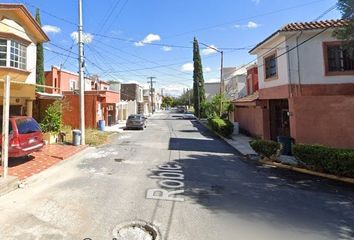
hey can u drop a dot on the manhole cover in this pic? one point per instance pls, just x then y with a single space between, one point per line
136 230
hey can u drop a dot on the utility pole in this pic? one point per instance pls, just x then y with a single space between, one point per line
81 75
221 81
151 82
221 74
5 127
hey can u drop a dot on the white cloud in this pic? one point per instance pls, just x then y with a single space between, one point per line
251 24
208 51
47 48
166 48
174 89
207 69
87 37
150 38
51 29
256 1
187 67
213 80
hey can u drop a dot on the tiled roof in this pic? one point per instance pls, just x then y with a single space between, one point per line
250 98
314 25
303 26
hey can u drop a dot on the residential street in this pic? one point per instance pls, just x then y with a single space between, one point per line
225 196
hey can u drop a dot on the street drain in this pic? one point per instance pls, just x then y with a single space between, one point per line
136 230
118 160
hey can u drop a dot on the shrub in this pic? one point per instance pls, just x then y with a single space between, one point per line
223 127
265 148
52 121
325 159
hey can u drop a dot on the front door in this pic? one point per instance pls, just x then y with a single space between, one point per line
279 118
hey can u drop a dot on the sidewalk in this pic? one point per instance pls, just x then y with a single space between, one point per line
116 128
50 155
241 143
238 141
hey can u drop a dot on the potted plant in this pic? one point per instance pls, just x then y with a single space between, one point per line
52 122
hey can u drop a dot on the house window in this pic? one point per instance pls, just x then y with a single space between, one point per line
18 55
73 85
339 59
3 52
270 63
12 54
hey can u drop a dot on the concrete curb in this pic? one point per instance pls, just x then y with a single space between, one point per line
8 184
306 171
42 175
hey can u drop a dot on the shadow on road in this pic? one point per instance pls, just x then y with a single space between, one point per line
199 145
279 197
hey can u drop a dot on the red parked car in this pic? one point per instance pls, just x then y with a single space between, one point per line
25 136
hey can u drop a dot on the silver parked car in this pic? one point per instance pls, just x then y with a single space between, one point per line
136 121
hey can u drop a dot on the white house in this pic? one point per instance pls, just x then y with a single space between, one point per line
306 85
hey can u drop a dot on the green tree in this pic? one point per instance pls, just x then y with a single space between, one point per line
167 102
346 7
40 59
212 108
198 80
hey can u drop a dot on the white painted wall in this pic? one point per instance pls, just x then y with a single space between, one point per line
312 65
305 64
211 89
282 63
31 63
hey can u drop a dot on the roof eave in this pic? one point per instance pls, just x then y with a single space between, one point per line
270 37
43 36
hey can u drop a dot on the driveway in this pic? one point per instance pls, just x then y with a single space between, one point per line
183 180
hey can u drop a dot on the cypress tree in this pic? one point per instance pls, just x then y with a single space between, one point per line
346 7
40 59
198 80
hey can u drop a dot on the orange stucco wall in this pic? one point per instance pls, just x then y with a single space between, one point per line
326 120
254 120
71 116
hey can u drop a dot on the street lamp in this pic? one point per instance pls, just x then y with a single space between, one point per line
221 73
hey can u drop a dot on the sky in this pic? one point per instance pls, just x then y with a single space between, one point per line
131 40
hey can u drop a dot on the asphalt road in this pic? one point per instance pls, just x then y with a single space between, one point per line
186 182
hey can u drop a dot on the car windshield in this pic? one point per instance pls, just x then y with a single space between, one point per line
27 125
135 117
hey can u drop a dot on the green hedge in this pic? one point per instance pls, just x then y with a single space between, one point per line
329 160
265 148
221 126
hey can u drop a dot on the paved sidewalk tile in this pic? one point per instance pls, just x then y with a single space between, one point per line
42 160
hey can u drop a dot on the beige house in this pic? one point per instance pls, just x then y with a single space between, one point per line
19 36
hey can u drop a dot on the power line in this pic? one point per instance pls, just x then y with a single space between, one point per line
50 14
292 36
243 19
